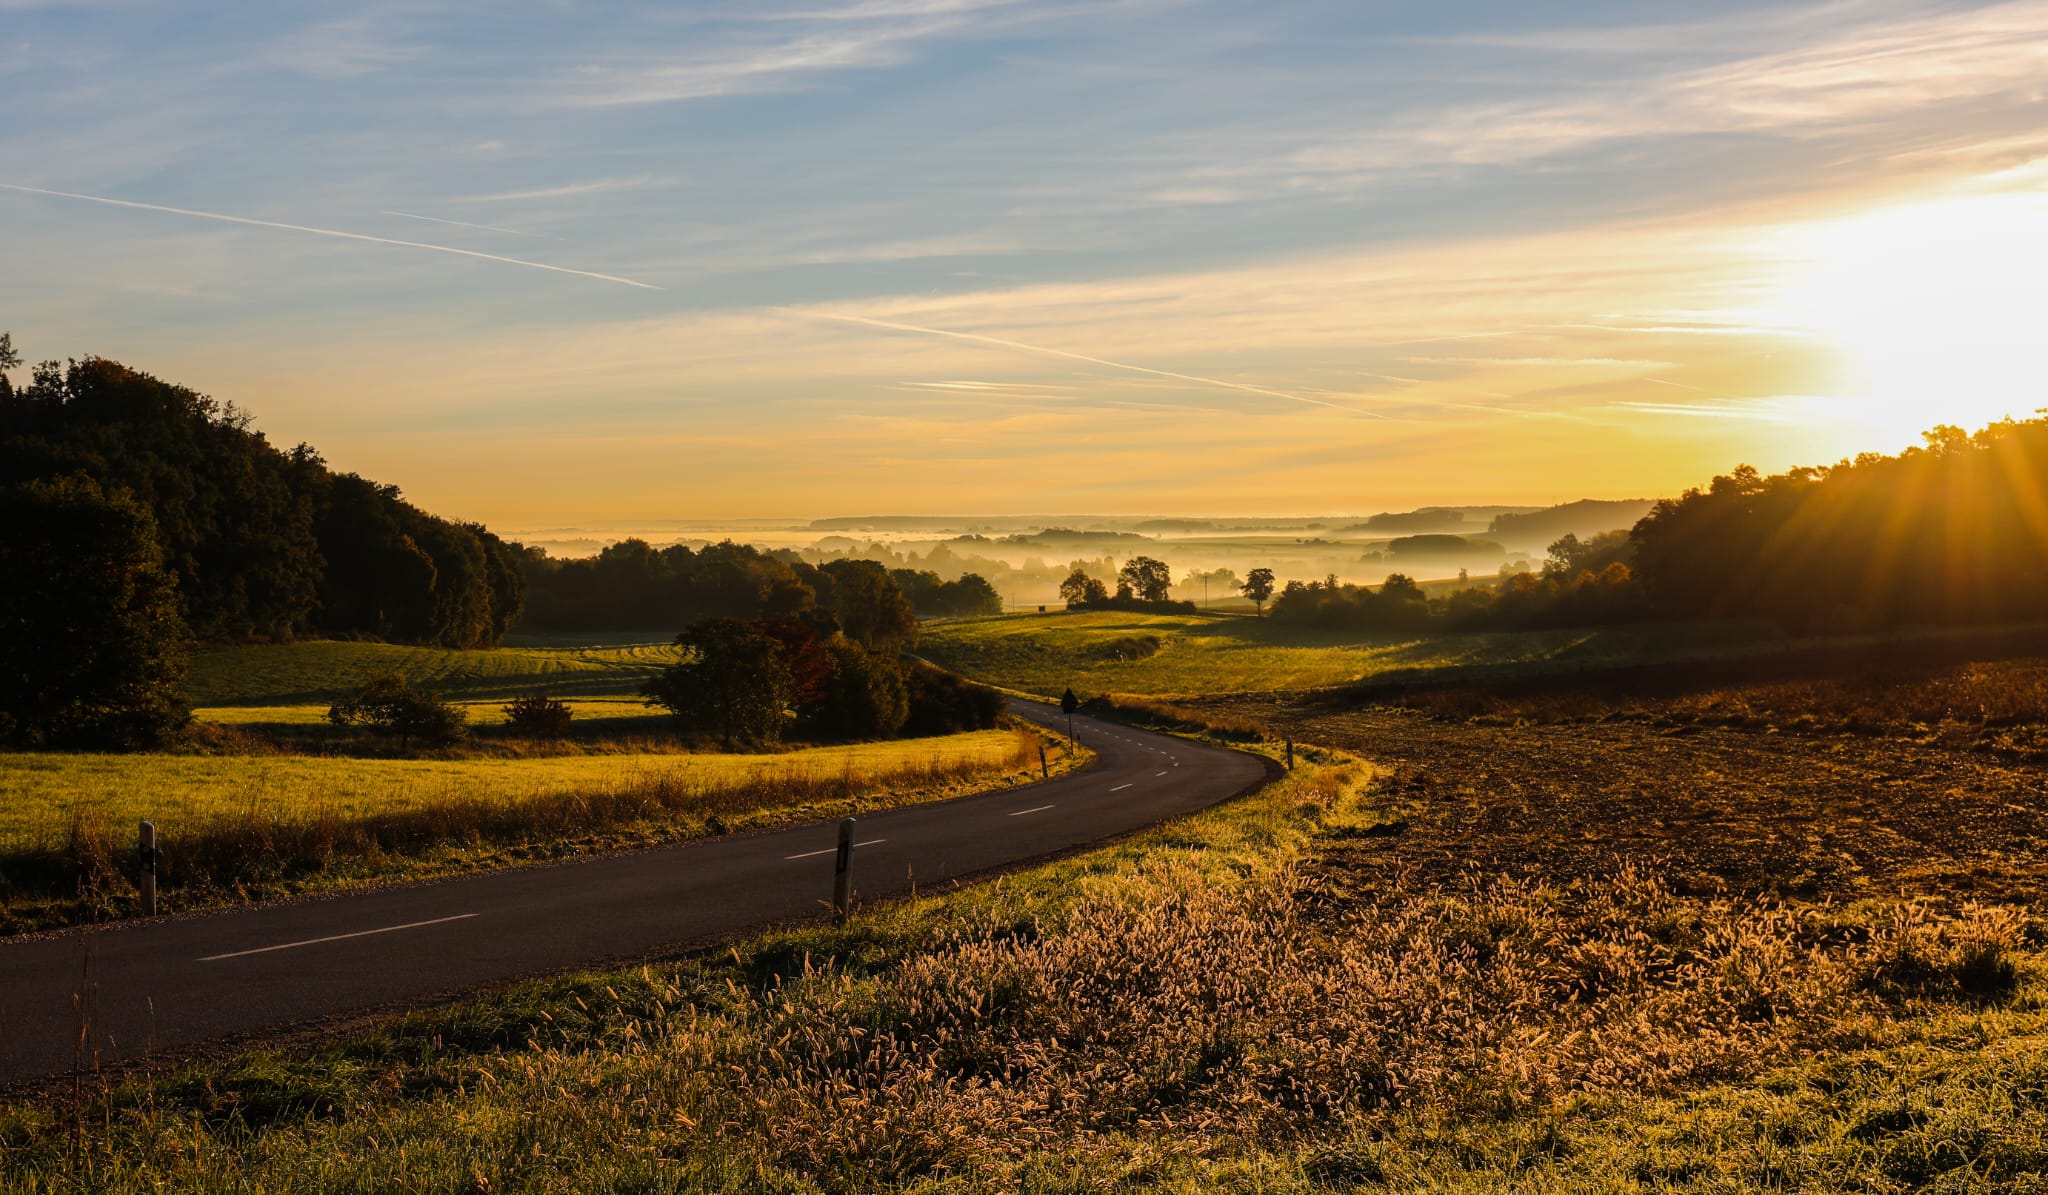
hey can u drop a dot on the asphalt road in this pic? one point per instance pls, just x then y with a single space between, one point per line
159 985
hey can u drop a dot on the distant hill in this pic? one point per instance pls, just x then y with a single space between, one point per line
1585 518
1425 520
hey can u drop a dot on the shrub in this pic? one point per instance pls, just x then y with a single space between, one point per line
390 703
538 716
941 703
1133 647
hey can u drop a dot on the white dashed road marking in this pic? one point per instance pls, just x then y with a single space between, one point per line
361 933
828 850
1034 809
1119 788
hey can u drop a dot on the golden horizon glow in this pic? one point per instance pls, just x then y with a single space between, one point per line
1939 309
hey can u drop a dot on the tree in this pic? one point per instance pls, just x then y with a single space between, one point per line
91 645
388 702
871 609
1148 578
733 681
865 697
538 716
1258 586
1080 589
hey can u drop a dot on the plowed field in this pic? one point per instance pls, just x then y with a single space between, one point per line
1836 817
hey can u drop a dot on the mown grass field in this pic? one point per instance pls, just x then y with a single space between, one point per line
1046 653
1274 996
41 793
314 672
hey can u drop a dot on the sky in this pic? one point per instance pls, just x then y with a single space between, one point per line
547 264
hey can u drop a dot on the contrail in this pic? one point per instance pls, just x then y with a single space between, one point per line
1050 352
466 224
328 232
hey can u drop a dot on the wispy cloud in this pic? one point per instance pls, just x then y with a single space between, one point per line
340 49
326 232
1845 73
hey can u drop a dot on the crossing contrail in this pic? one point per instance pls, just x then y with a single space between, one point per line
466 224
327 232
1019 345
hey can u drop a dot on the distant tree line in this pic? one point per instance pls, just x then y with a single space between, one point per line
632 585
1953 532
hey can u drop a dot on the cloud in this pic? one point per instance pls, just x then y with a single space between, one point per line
342 49
327 232
1843 77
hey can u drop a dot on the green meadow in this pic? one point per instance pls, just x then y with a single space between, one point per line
1169 654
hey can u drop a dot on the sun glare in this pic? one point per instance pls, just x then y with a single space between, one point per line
1939 310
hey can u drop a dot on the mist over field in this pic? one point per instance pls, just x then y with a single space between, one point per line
1027 556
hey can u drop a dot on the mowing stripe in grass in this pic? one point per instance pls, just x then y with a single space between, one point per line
361 933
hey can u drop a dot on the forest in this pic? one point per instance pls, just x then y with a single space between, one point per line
1953 532
258 543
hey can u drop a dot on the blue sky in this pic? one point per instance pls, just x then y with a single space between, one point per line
966 254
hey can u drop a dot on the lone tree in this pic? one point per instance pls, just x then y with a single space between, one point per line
539 716
1149 579
1258 586
1080 589
732 682
91 644
390 703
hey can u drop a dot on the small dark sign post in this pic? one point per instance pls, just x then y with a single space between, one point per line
146 885
1068 704
842 872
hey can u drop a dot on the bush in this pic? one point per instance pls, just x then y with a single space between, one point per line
538 716
1133 647
390 703
941 703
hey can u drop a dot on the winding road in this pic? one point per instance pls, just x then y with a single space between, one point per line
168 984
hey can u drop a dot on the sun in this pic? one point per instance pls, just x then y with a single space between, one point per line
1938 310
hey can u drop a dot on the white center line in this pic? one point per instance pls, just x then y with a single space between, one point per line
361 933
1119 788
1159 773
828 850
1036 809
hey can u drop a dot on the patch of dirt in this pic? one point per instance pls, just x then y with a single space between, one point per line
1722 811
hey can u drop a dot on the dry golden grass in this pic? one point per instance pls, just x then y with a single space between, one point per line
237 827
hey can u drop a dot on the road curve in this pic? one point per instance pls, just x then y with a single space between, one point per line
161 984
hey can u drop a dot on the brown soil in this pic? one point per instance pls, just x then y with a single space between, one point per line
1721 811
